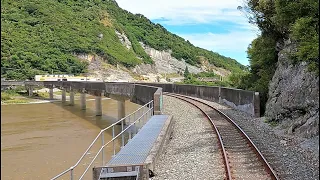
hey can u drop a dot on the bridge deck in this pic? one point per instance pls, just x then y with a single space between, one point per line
138 148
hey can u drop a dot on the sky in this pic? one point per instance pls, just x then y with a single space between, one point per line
215 25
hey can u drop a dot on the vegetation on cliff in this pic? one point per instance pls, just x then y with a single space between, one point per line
40 37
279 20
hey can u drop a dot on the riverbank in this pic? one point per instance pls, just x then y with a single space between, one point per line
18 96
40 101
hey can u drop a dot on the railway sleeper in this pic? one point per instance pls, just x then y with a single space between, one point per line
243 160
233 136
236 146
249 170
234 143
242 156
239 150
232 140
252 176
245 165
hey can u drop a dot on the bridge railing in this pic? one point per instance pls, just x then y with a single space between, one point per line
135 121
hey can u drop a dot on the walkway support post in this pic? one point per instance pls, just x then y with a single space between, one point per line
220 101
98 103
71 97
63 95
83 100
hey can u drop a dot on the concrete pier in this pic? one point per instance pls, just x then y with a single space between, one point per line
30 91
98 104
63 95
51 93
71 97
121 109
83 100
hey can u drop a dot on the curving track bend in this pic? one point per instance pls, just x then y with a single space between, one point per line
242 159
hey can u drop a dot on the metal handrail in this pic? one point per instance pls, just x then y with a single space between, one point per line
112 140
149 104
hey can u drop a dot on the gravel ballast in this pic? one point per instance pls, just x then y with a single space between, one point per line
192 152
292 157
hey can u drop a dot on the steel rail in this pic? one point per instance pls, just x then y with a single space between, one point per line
224 153
267 166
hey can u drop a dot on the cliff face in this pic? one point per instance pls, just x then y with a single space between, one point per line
294 96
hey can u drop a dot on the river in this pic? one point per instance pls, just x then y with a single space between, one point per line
38 141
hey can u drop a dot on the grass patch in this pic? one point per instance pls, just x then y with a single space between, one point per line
171 75
272 123
16 101
5 96
43 94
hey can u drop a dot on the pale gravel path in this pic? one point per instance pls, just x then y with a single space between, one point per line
193 152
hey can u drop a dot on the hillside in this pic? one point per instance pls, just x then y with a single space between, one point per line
40 37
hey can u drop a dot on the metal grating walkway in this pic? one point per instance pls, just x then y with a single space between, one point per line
138 148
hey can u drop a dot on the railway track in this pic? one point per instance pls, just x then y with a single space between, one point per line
242 159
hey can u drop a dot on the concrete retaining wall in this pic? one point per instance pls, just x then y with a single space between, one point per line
239 99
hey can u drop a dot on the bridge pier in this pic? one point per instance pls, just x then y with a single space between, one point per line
63 95
83 100
121 109
51 93
71 97
30 91
98 103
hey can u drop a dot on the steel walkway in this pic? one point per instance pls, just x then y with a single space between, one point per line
137 149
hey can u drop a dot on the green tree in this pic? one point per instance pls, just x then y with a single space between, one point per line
279 20
186 72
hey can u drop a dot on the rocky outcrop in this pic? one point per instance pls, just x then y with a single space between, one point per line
124 40
165 63
84 56
294 96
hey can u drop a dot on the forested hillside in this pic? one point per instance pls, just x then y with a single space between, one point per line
42 36
296 22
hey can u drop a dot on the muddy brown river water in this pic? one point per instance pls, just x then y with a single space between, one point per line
38 141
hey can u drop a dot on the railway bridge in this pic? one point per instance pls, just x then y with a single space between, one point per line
145 132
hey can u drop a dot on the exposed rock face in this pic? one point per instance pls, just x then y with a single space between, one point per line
124 40
165 63
294 96
84 56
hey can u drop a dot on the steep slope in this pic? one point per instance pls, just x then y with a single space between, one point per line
294 96
40 37
284 63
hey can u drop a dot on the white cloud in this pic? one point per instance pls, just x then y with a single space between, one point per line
186 11
232 41
182 12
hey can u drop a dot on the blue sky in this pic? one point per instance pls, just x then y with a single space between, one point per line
215 25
